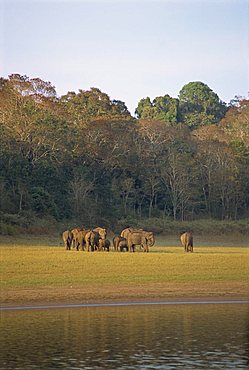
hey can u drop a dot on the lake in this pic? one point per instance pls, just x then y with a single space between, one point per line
172 336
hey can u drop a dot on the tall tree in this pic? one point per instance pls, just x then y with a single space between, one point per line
199 105
89 105
163 108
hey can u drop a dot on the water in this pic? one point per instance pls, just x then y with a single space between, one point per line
193 336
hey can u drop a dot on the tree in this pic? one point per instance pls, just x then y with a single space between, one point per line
236 123
89 105
166 109
80 188
124 187
220 177
163 108
178 177
199 105
144 108
33 87
153 137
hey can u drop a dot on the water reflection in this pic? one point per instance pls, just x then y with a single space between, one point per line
136 337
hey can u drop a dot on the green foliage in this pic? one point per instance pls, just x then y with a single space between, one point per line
199 105
92 104
166 109
83 157
42 202
206 227
163 108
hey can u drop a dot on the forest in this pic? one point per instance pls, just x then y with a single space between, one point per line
83 156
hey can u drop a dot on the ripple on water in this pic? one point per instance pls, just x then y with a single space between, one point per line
187 336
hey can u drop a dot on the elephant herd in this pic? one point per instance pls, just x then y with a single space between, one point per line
95 239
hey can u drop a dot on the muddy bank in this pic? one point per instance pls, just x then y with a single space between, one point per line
126 293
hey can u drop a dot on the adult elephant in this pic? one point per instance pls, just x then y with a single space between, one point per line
79 238
92 238
67 237
75 232
187 241
143 238
101 231
127 231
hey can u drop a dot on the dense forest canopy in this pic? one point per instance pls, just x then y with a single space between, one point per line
84 156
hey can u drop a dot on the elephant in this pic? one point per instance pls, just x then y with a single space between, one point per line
104 245
75 235
92 239
67 237
79 238
120 243
101 231
127 231
142 238
187 241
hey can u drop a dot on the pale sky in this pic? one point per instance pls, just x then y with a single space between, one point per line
128 49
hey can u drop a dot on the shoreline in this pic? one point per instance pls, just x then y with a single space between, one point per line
125 293
208 300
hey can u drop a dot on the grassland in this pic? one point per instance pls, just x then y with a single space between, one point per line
40 271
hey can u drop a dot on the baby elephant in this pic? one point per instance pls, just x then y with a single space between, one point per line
187 241
120 243
104 245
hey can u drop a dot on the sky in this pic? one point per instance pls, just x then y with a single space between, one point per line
128 49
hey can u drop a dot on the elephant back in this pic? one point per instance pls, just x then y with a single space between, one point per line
186 239
136 237
75 232
82 234
101 231
128 230
67 235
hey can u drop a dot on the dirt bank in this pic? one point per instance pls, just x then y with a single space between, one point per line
125 293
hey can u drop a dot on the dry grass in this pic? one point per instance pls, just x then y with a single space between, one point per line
49 274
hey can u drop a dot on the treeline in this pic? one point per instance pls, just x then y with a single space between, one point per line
84 156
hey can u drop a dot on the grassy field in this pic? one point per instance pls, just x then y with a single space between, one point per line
39 271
